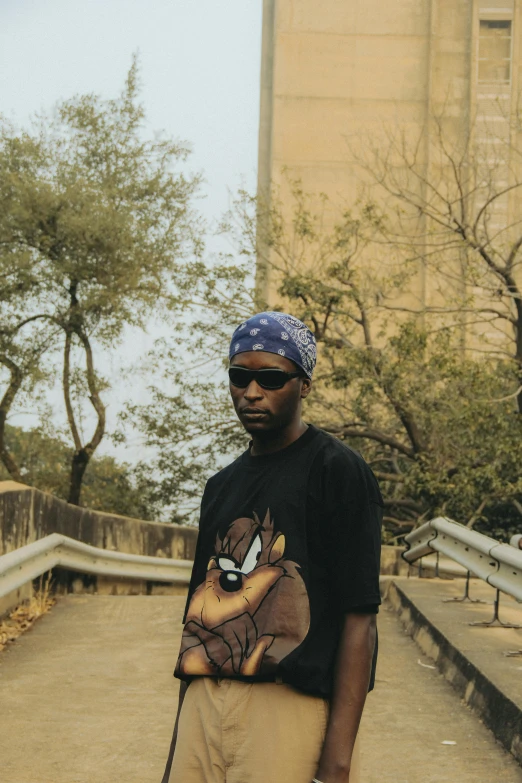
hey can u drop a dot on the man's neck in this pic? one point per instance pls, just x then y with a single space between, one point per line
270 442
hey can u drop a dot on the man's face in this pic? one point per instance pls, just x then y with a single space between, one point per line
264 410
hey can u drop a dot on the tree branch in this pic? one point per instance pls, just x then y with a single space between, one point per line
66 378
370 434
94 397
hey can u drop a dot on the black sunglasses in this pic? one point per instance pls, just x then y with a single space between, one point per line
267 378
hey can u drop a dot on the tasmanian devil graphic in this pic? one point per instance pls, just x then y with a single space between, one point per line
252 609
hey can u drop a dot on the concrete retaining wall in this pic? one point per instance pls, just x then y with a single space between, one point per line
26 515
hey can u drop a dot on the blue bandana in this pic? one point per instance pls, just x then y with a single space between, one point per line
277 333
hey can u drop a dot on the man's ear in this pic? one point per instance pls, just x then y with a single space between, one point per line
306 387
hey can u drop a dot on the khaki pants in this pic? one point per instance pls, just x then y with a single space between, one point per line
237 732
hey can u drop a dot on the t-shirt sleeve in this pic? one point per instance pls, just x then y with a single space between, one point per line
370 609
352 515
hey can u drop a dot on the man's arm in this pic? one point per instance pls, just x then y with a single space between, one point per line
351 681
182 691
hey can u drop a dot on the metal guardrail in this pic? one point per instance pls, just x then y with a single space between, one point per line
500 565
31 561
516 541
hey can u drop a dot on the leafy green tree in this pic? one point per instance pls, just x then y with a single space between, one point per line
189 428
97 232
22 368
44 457
440 430
439 427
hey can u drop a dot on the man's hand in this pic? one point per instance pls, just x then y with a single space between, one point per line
351 680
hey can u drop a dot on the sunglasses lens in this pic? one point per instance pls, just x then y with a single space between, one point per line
240 376
272 379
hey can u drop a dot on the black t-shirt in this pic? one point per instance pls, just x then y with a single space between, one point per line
288 543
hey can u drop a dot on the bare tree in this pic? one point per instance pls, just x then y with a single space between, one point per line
455 208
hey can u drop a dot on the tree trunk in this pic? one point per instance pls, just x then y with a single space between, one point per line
5 405
83 452
79 464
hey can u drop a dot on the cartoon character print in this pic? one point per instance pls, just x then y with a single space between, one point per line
252 609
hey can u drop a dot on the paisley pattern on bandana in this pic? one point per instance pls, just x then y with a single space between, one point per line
277 333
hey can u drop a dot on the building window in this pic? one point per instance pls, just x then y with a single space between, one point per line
494 55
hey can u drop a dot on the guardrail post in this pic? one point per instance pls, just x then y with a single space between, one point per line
496 622
466 596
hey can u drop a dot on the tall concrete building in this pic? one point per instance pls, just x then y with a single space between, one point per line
336 72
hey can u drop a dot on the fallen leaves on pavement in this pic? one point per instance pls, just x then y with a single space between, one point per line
23 617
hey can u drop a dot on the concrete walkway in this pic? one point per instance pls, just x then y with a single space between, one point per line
88 696
412 711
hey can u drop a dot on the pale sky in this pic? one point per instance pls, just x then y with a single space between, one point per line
200 67
200 70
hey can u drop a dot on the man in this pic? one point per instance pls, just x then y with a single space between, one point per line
279 641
